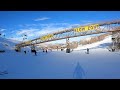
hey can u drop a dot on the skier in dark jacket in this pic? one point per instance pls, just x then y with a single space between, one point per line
25 52
46 50
87 51
43 50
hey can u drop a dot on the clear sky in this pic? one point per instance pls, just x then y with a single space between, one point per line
35 23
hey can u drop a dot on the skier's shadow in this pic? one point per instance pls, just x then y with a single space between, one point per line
78 72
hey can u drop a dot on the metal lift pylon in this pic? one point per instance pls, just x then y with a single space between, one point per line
68 45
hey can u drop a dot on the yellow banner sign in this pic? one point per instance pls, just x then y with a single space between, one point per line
86 28
46 37
28 42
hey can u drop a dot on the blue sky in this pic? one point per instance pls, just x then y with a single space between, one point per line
35 23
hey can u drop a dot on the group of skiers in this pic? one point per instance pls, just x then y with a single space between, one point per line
36 51
47 51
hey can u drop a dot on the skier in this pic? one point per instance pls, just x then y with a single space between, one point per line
43 50
25 52
46 50
87 51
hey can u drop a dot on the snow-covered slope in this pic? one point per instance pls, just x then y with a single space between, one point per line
7 44
100 44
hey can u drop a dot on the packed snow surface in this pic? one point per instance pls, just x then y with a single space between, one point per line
98 64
